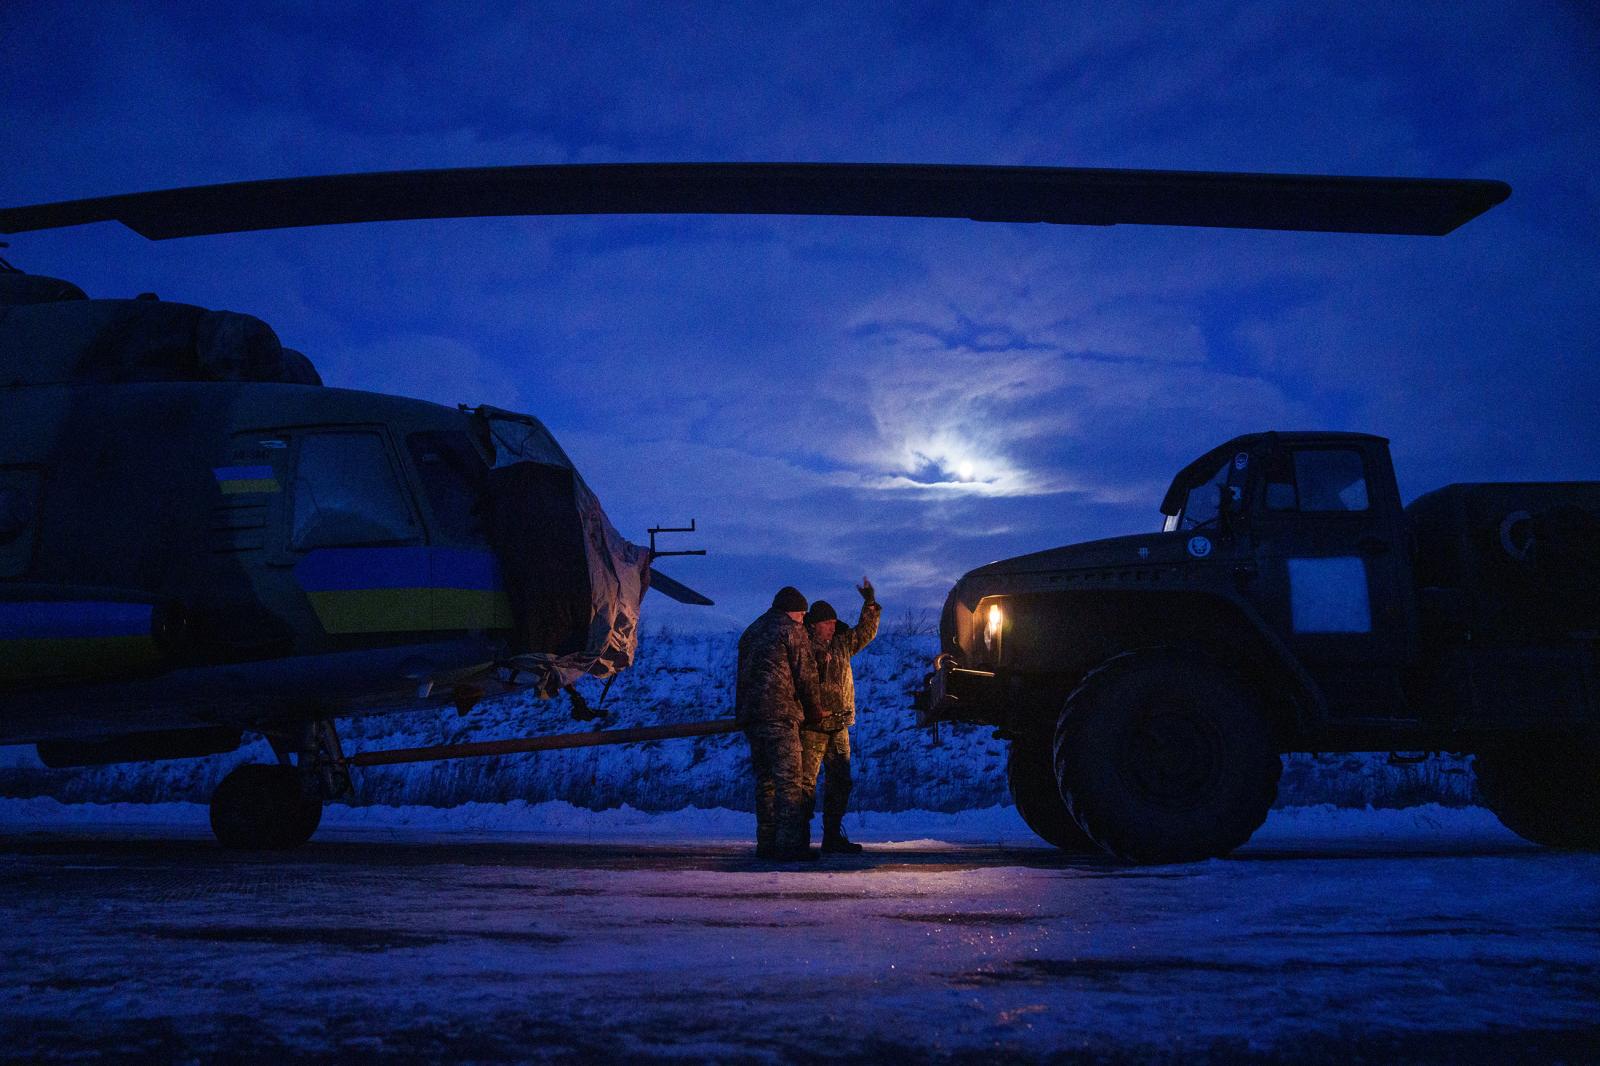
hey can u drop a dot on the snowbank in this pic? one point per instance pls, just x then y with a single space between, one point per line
689 677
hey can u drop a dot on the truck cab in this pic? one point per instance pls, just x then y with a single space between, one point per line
1289 598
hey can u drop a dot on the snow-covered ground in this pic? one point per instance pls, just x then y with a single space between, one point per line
688 677
603 903
513 932
1410 827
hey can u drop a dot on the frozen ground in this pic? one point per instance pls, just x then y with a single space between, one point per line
546 931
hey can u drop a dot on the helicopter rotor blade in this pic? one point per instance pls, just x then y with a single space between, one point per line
1067 196
676 590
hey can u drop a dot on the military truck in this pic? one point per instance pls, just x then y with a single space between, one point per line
1149 684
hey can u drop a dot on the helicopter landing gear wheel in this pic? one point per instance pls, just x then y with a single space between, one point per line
261 806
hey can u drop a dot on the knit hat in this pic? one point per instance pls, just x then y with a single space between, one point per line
788 600
821 611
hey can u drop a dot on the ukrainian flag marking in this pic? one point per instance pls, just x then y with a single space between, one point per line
56 638
396 590
236 479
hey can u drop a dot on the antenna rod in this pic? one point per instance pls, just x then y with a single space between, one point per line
657 554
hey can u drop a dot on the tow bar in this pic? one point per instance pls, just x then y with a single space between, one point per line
553 742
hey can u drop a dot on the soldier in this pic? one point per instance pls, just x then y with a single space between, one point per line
826 743
777 691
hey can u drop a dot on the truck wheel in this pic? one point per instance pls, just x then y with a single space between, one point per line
1162 757
1038 800
263 806
1544 791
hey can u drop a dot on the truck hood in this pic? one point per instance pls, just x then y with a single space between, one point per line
1024 573
1142 548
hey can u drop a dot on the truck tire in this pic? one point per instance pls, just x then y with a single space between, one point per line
263 806
1163 757
1545 791
1038 800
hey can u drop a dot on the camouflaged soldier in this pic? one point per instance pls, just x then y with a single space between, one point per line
777 691
826 743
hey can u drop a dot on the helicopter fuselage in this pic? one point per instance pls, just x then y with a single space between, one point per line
278 546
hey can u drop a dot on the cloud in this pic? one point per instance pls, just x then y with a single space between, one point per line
909 397
443 370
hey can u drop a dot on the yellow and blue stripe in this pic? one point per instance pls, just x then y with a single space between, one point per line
233 480
395 590
55 638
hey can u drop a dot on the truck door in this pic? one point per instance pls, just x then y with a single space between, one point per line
1333 571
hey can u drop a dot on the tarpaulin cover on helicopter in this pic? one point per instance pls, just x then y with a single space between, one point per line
575 601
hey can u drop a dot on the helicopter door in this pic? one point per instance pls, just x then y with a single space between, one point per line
469 590
354 536
454 481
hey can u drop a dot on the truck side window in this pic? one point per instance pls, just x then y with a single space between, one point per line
1316 479
346 494
453 475
1279 474
1330 480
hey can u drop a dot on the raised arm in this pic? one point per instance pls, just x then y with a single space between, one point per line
866 626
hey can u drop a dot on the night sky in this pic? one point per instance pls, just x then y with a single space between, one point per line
902 398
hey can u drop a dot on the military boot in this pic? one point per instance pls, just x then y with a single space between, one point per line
836 843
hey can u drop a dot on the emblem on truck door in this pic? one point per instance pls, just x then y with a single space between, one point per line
1199 547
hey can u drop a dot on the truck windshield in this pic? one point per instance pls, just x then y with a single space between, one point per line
1200 505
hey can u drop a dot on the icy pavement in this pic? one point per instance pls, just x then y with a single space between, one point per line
1336 936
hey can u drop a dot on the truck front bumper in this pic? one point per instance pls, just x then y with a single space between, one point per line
953 694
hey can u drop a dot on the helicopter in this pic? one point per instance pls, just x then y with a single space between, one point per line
198 539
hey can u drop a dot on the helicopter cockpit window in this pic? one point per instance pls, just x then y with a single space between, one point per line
454 477
346 494
520 439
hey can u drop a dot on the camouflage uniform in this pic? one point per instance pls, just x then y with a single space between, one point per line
777 691
828 747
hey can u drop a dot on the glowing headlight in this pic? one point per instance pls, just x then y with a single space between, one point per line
993 624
